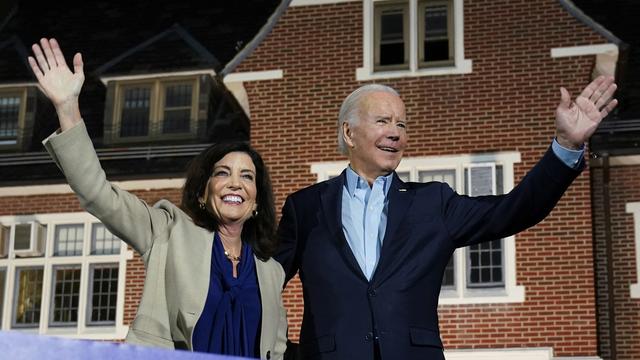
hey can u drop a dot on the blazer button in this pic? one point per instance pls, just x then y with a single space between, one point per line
372 292
369 336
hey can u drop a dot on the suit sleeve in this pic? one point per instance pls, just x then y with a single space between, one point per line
128 217
471 220
287 254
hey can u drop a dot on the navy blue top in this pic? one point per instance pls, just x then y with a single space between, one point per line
230 320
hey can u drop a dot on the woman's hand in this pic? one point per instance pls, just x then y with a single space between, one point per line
57 82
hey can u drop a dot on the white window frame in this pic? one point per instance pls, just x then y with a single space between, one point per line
117 331
367 71
511 293
634 208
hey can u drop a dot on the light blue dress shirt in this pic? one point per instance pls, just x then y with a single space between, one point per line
364 210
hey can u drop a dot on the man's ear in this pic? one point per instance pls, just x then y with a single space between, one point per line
347 134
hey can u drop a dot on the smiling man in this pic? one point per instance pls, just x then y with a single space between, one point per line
371 249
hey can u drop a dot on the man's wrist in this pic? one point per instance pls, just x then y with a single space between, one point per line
568 144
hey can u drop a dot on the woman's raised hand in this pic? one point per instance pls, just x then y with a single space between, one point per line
57 81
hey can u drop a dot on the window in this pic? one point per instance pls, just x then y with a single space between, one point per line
483 273
74 287
156 109
28 297
12 111
104 293
412 38
634 208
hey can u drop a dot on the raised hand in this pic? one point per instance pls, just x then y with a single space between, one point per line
576 121
57 82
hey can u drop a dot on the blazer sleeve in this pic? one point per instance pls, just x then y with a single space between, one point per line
126 216
287 254
471 220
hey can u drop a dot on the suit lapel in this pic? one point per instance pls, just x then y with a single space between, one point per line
331 199
400 199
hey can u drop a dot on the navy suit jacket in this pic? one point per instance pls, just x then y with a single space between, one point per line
344 313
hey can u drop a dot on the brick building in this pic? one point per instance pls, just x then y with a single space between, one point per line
480 80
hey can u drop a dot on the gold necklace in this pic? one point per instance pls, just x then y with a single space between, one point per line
231 257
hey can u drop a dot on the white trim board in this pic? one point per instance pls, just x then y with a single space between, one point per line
606 56
543 353
318 2
106 79
153 184
634 208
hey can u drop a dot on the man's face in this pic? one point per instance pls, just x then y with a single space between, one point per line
376 143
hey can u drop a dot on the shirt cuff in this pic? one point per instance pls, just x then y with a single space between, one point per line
571 158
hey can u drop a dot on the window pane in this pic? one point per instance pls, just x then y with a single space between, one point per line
445 176
28 297
5 233
134 119
9 116
22 238
448 280
479 180
486 265
104 294
392 37
66 294
436 36
103 242
68 240
177 112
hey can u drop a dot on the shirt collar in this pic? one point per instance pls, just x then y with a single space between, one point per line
355 181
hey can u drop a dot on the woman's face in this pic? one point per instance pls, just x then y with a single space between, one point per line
231 192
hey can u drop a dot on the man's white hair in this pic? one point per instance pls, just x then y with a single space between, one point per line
350 109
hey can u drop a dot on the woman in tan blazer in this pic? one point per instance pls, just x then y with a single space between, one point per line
210 283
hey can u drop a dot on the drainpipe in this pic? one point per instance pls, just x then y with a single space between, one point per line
609 243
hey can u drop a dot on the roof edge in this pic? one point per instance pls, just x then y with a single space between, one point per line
253 44
576 12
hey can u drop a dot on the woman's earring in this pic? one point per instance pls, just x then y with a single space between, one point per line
254 213
202 205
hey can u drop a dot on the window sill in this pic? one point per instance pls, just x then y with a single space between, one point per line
482 296
464 67
635 291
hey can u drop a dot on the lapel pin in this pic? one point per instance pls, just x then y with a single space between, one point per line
402 190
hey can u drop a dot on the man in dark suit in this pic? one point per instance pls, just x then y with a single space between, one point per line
371 250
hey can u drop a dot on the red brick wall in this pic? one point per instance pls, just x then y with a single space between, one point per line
624 188
505 104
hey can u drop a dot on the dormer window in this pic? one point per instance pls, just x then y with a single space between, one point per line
12 112
155 109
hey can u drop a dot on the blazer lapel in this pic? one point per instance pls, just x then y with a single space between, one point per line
331 199
400 199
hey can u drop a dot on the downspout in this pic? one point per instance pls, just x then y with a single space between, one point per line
609 248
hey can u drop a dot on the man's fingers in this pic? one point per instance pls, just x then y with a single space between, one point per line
592 87
606 96
57 52
44 66
602 88
36 69
609 108
78 64
46 47
565 98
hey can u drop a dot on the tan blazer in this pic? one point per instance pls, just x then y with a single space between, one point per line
176 253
